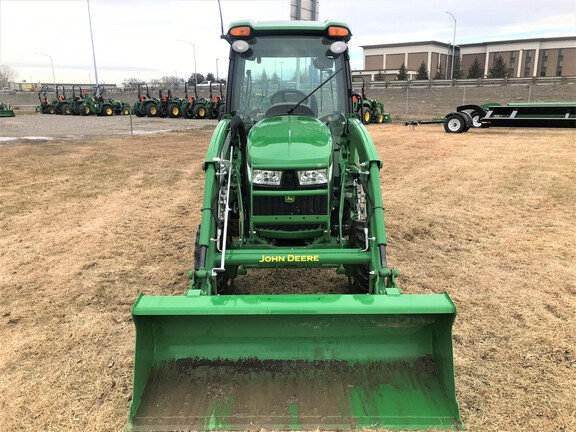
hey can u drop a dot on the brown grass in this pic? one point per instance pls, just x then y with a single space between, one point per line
488 216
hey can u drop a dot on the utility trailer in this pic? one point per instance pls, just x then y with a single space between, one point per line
550 115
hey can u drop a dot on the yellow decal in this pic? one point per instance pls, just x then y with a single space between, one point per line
289 258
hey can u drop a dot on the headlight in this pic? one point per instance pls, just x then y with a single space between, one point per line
267 177
313 177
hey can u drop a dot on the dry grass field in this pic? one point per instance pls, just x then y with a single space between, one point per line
85 226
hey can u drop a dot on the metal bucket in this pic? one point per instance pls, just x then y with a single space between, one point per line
294 362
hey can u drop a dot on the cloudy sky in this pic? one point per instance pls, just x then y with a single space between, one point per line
148 39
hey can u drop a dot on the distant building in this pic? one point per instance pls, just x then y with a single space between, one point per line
539 57
304 10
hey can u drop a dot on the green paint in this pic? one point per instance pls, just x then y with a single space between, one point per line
294 422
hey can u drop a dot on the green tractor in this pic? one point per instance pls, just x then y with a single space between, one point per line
45 106
108 107
193 106
188 102
62 103
216 105
80 103
145 105
292 182
6 111
170 106
369 110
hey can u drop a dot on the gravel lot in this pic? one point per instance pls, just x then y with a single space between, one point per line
38 126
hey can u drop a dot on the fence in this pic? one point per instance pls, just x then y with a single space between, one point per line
480 82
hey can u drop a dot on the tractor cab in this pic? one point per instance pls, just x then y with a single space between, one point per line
291 73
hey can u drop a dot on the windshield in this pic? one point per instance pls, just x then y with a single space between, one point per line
284 70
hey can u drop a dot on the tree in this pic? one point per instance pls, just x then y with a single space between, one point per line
422 72
499 69
439 74
475 70
380 76
131 83
402 74
169 81
7 74
196 78
210 77
458 73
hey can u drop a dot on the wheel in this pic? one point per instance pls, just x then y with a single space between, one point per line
380 118
50 110
125 111
84 109
360 280
224 280
213 112
476 123
295 96
108 111
65 109
221 110
366 115
151 110
200 111
162 111
174 110
454 123
138 111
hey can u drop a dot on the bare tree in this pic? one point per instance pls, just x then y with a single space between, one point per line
7 74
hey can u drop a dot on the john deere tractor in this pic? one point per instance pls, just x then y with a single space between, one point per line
145 105
292 181
62 103
216 105
170 106
108 106
369 110
45 106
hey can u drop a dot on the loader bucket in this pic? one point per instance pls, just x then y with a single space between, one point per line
294 362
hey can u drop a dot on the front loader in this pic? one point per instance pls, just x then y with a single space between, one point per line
292 181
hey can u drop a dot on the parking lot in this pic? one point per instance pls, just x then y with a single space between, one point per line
39 126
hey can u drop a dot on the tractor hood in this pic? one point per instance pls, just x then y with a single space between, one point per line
289 142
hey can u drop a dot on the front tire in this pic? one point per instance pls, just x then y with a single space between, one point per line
200 111
152 110
366 115
174 110
360 279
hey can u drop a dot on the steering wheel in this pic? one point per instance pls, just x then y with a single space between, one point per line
284 96
294 96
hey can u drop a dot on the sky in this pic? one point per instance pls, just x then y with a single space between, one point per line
148 39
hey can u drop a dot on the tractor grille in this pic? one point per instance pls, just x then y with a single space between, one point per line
278 205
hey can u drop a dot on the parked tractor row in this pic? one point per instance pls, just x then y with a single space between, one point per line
168 105
80 103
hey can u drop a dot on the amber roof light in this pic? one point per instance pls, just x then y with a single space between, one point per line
242 31
338 31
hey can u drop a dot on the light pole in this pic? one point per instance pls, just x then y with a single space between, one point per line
216 70
453 45
194 47
52 64
92 40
